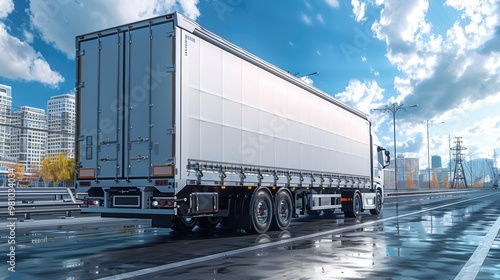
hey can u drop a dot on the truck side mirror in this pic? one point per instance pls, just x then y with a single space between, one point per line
387 158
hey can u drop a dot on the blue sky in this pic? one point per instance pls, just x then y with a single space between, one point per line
442 55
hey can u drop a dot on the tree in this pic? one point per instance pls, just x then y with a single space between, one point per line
446 183
477 185
434 180
59 169
18 170
409 174
34 173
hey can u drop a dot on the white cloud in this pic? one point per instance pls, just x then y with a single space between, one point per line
332 3
6 7
308 5
306 19
20 61
364 96
441 72
358 8
58 22
319 17
28 36
307 80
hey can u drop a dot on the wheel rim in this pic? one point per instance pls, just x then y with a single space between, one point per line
357 204
284 211
262 212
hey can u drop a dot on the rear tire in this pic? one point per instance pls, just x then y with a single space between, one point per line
355 208
262 211
283 210
183 223
378 204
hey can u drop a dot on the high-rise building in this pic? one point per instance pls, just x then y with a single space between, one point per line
436 162
61 124
29 137
5 108
408 171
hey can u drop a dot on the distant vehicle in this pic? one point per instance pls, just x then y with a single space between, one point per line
177 125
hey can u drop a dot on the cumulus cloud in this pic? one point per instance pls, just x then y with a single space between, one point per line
6 7
358 8
19 59
364 96
441 73
58 22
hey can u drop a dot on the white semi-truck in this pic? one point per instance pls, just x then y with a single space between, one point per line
177 125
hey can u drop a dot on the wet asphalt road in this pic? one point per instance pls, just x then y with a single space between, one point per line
416 237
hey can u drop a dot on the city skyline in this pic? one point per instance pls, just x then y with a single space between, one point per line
29 134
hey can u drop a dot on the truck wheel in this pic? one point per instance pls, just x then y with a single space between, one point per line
183 223
355 208
262 211
208 222
282 210
378 204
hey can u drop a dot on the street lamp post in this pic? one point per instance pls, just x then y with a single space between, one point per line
393 109
428 152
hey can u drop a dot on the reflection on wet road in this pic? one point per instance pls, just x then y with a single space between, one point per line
415 238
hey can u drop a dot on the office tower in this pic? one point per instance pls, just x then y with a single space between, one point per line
5 108
29 137
61 124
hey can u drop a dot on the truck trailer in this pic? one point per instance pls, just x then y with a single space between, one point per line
177 125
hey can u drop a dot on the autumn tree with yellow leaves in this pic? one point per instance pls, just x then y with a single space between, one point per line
59 169
434 180
410 184
18 170
446 182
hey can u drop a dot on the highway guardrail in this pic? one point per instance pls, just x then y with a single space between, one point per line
37 200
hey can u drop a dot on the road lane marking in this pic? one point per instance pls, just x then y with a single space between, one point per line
473 265
272 244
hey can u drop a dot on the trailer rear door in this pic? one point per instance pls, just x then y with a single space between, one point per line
125 103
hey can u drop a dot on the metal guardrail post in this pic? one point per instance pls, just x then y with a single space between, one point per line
27 217
68 215
71 195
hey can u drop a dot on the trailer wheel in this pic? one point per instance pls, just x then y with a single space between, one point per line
262 211
378 204
283 209
184 223
355 206
208 222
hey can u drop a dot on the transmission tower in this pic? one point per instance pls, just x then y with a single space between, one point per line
459 174
495 169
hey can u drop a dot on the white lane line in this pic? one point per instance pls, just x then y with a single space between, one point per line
473 265
267 245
